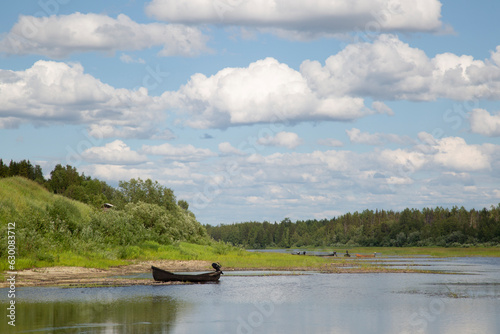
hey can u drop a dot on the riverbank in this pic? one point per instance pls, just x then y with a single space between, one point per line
113 276
120 275
199 258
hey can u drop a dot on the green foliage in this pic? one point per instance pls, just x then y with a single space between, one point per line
223 248
183 204
147 191
411 227
130 252
48 225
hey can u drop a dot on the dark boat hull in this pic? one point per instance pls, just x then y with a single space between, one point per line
166 276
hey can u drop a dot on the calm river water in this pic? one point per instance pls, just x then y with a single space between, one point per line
467 301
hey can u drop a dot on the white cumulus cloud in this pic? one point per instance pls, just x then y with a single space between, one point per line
482 122
116 152
265 91
58 36
455 154
227 149
55 92
390 69
300 19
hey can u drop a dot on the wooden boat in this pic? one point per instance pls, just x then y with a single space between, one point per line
327 255
366 255
166 276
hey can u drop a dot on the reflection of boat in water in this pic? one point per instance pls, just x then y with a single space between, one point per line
167 276
366 255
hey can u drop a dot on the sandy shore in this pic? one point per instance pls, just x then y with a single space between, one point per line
79 276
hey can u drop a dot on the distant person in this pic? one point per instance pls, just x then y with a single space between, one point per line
347 254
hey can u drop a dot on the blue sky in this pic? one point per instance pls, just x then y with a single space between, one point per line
256 110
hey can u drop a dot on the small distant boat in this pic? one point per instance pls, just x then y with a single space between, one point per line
366 255
299 253
166 276
327 255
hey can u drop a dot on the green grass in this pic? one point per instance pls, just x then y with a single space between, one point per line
20 194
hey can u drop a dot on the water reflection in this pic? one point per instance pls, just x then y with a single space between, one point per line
468 302
96 311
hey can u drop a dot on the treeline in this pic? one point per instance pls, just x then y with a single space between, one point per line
410 227
23 168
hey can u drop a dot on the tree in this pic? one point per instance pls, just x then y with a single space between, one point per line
61 178
4 169
183 204
147 191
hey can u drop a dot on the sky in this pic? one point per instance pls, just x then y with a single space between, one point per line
256 110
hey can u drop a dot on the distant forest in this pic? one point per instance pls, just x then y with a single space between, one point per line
441 227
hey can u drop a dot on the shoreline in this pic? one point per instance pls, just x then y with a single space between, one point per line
93 277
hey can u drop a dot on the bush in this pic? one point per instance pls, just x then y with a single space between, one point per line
45 257
130 252
65 213
222 248
153 245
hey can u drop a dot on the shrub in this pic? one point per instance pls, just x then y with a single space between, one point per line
148 244
130 252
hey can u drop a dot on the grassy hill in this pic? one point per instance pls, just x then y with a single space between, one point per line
54 230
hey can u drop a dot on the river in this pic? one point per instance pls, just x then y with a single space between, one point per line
465 299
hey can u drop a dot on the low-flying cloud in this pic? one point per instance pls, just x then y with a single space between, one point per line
482 122
265 91
60 93
298 19
227 149
116 152
390 69
58 36
453 153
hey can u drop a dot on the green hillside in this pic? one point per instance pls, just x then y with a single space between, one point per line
52 229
